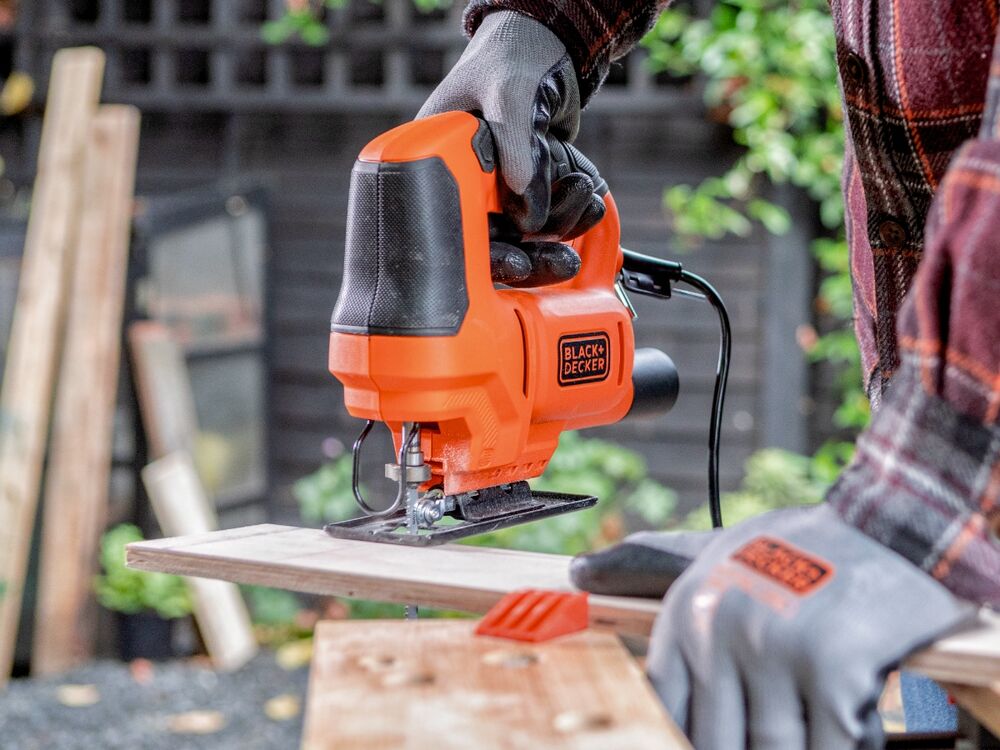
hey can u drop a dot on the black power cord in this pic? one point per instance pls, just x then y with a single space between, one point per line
654 277
719 394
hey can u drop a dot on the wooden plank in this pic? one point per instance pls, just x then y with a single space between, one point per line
458 577
79 467
464 578
163 386
971 657
25 402
982 702
433 685
182 507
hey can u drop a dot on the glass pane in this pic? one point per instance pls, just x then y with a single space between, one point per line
205 280
229 452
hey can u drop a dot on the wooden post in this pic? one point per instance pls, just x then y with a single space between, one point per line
25 401
182 507
77 477
175 491
166 401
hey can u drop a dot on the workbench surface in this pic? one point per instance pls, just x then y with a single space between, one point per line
473 579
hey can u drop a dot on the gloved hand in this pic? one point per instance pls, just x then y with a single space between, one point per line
516 74
643 564
782 630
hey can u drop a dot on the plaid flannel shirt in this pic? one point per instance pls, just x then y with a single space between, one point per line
922 189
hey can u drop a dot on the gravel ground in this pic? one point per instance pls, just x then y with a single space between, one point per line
145 707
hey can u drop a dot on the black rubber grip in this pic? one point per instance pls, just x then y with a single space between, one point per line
566 158
404 265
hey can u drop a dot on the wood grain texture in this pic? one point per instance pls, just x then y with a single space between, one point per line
163 387
464 578
182 507
79 467
459 577
25 401
971 657
433 685
982 702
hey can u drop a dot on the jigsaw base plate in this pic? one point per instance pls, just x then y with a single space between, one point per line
393 529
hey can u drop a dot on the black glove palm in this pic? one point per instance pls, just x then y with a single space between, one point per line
516 74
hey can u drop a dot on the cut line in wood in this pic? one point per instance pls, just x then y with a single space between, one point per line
983 703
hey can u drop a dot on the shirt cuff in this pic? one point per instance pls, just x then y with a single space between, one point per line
925 482
595 32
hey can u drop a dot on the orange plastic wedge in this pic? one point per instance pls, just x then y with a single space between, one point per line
536 615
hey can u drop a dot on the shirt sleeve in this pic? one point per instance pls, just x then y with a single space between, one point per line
595 32
926 477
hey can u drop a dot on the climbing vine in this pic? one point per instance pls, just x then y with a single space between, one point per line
769 72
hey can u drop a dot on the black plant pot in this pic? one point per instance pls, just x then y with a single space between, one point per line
145 635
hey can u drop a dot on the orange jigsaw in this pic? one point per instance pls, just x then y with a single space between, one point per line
475 380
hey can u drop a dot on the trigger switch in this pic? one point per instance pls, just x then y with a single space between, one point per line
482 146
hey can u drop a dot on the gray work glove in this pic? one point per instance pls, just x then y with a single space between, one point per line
782 630
516 75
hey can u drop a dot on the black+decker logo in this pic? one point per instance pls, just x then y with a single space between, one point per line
794 569
584 358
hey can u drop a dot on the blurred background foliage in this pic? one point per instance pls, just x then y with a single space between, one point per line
769 72
304 19
130 591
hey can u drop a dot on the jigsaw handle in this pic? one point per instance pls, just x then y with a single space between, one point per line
568 158
415 254
564 159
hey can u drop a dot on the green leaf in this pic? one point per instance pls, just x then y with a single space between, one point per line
277 32
770 68
314 34
131 591
774 218
271 606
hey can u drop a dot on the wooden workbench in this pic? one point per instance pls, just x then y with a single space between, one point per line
447 689
472 579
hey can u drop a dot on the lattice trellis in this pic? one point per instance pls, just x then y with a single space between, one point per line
168 55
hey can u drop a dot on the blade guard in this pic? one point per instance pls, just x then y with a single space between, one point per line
421 334
536 615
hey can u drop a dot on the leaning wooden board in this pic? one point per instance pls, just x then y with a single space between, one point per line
32 353
79 467
433 685
461 577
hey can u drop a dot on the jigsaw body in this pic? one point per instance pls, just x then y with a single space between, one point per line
476 381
